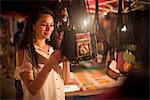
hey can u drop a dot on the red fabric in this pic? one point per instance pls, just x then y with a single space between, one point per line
109 5
120 61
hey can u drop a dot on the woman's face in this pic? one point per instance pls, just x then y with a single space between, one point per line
44 27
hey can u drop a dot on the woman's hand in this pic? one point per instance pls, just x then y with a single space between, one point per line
55 58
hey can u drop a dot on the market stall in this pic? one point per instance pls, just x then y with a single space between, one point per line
89 78
103 39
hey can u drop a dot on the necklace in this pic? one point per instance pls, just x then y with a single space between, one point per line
44 49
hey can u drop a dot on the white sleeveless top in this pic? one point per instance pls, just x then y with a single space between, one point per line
53 88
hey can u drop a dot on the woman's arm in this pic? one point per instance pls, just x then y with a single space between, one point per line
66 71
33 85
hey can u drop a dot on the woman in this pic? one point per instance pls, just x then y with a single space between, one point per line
38 63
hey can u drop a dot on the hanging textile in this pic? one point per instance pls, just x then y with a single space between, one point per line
122 58
78 43
124 33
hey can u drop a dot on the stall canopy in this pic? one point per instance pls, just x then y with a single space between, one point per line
112 5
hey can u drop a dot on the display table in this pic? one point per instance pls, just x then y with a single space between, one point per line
91 82
90 92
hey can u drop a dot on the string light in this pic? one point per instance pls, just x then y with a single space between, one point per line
124 28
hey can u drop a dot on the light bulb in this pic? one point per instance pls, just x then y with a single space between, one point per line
124 29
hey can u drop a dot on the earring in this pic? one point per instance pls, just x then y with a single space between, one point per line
49 39
33 36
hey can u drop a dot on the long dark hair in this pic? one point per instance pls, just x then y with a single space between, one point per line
27 40
33 17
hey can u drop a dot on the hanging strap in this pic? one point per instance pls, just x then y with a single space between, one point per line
31 52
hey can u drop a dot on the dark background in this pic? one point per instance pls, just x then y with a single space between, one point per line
23 7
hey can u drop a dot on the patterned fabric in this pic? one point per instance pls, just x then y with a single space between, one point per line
53 88
19 91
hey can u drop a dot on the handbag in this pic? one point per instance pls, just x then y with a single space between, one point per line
79 46
19 90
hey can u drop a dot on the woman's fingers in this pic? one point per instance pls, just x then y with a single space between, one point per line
56 57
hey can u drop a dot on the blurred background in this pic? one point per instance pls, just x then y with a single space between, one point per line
114 26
